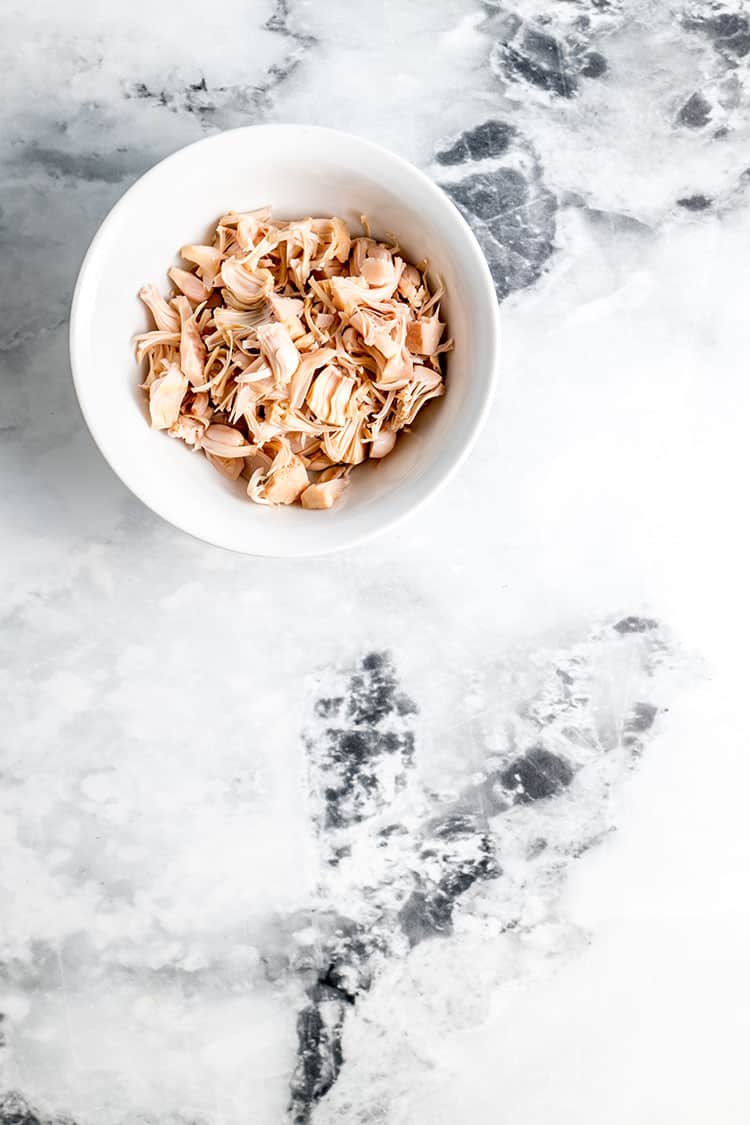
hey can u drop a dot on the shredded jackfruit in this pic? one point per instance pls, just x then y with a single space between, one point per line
290 352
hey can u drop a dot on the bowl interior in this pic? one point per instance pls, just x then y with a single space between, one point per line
299 171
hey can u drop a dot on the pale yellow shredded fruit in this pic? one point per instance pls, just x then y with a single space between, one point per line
290 352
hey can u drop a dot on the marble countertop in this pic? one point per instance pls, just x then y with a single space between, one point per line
450 829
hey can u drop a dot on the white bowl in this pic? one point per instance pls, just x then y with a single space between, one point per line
300 170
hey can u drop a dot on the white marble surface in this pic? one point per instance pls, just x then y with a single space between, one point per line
176 887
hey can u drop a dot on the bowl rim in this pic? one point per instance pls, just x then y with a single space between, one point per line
75 336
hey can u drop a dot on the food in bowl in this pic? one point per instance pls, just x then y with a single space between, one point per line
290 352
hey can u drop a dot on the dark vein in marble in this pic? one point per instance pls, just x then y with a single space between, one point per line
15 1110
432 861
635 624
726 26
695 202
221 105
497 182
490 139
90 167
542 53
225 105
361 761
352 759
696 112
280 21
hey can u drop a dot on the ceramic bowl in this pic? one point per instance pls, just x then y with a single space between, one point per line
300 170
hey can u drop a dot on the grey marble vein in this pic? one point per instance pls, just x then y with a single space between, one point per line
394 876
